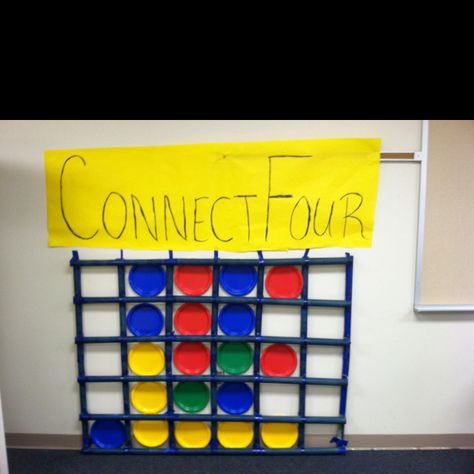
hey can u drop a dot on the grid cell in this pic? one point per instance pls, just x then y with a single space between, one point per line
191 396
234 397
147 280
192 434
148 397
150 433
145 320
237 319
238 280
234 357
193 280
235 434
192 319
279 360
284 282
146 358
191 358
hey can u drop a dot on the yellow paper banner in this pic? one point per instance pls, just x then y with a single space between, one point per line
225 196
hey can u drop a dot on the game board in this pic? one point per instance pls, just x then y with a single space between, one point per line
157 382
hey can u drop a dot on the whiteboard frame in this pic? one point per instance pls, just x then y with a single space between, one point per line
418 307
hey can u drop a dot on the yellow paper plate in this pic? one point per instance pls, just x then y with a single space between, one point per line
146 359
235 434
192 434
150 433
148 397
279 435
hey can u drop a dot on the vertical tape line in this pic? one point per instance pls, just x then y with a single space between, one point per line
347 335
80 347
169 350
215 311
257 348
303 349
124 351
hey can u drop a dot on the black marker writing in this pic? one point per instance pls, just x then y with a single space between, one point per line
351 214
212 219
62 202
167 205
135 199
196 222
308 219
245 196
328 225
113 193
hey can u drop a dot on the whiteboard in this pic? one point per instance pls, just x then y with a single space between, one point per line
445 257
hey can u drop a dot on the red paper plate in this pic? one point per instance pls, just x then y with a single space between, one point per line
284 282
193 280
278 360
191 358
192 319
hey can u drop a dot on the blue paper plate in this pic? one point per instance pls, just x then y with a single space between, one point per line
238 280
234 397
108 434
237 319
147 280
145 320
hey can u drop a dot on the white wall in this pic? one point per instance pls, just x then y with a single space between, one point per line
3 447
409 374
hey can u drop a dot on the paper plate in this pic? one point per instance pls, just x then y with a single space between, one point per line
191 396
192 319
147 280
108 434
192 434
150 433
237 319
238 280
148 397
279 435
234 357
234 397
278 360
193 280
235 434
145 320
191 358
284 282
146 358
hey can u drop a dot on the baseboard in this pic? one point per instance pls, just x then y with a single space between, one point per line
411 441
436 441
43 441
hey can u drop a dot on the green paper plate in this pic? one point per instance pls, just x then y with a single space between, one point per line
234 357
191 396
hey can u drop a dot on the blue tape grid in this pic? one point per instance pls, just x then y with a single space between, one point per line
169 299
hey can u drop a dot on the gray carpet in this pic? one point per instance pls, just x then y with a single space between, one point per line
36 461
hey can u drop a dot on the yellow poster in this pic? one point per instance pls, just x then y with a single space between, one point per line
275 195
